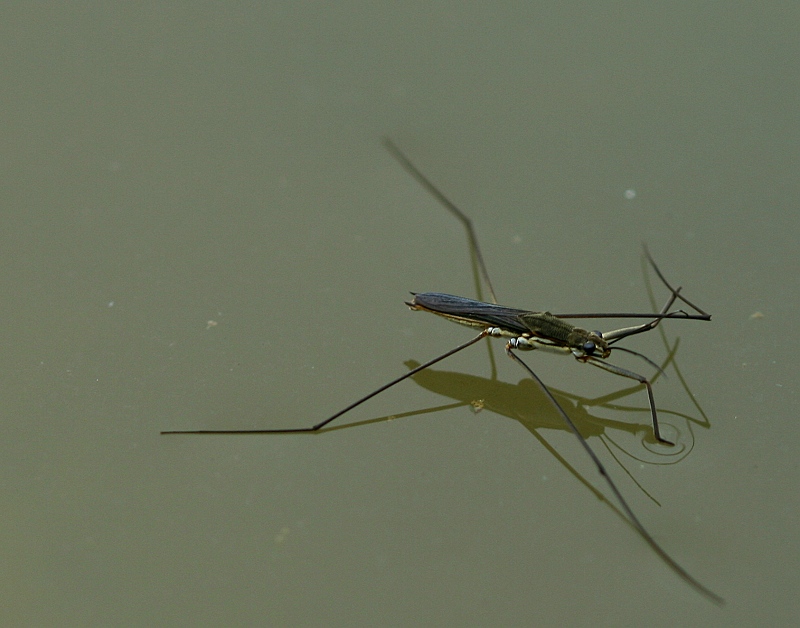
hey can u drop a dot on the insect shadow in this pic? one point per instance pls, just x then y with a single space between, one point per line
525 403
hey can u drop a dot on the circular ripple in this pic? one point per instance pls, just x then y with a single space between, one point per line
667 454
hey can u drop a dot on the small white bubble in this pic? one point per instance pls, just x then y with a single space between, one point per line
630 194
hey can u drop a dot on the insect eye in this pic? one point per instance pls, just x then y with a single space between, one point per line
589 347
598 333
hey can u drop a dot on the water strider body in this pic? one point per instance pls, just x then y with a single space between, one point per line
530 330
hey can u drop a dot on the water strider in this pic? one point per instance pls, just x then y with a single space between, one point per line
526 331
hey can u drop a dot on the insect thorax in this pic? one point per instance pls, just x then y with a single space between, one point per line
545 325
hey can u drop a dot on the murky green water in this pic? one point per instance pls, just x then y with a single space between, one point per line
202 230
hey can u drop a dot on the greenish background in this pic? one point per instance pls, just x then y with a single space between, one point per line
201 229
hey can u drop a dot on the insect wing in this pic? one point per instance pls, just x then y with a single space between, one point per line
470 311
